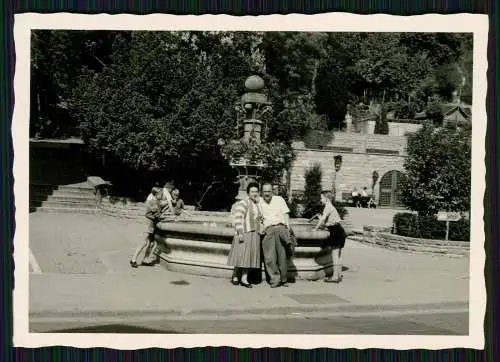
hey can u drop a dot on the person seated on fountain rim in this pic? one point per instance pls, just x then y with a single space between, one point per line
153 209
277 238
244 254
177 202
330 218
168 188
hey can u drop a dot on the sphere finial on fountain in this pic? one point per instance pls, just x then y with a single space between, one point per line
254 83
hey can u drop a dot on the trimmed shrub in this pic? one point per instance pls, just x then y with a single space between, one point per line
428 227
404 224
312 194
460 230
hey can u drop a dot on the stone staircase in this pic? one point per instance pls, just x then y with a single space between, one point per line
78 198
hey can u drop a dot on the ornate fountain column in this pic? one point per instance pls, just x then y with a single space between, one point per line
253 106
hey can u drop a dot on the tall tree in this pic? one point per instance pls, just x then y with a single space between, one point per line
164 103
438 170
58 57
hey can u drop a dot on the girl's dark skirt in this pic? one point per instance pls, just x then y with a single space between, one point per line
337 236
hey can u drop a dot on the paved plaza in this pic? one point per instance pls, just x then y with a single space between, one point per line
85 284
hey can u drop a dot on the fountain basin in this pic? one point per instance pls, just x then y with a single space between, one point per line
201 246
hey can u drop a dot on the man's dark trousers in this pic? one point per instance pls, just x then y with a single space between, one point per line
275 256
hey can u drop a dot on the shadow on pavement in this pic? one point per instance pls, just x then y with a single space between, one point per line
180 282
109 328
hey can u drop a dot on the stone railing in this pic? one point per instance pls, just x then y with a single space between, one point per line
382 237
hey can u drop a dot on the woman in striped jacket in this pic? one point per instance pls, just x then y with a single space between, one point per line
245 249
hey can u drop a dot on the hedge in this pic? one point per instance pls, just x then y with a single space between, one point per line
428 227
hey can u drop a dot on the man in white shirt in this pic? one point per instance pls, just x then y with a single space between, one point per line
275 214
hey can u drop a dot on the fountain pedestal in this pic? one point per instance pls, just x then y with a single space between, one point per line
202 248
247 172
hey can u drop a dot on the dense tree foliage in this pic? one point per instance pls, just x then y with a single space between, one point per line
438 170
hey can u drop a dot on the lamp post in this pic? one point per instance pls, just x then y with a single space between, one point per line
338 165
375 177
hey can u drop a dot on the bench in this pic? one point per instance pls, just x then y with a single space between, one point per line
347 198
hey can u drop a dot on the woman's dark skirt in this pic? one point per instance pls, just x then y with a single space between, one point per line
337 236
245 254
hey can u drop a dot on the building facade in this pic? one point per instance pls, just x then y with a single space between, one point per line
361 155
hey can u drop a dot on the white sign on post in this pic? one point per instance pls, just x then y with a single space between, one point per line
448 216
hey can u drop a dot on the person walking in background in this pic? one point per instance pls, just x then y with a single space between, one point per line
277 237
330 219
355 197
364 197
245 249
153 209
167 193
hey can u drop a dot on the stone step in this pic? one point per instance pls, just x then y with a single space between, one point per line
82 187
65 210
60 192
64 204
64 198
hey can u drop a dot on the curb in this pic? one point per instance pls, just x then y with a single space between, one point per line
272 311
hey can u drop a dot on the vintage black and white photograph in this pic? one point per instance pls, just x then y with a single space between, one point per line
251 182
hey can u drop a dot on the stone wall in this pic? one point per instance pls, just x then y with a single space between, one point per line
361 155
401 129
396 128
382 238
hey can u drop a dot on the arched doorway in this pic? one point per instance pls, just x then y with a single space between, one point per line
390 189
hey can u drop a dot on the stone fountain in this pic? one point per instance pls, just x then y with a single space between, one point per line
199 244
